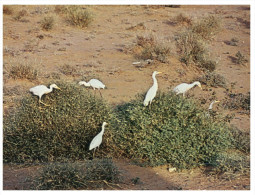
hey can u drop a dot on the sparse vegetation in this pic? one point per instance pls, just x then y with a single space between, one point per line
31 45
94 174
47 23
241 139
151 48
233 42
20 15
183 19
240 58
22 71
78 16
211 79
61 131
67 69
238 101
174 130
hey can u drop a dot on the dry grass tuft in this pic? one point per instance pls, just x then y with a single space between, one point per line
47 23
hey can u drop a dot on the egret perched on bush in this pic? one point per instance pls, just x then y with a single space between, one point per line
184 87
40 90
97 140
94 83
152 91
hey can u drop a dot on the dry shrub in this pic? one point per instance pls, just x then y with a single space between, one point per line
236 101
7 10
88 175
20 15
67 69
47 23
183 19
240 58
22 71
78 16
212 79
152 48
31 45
241 139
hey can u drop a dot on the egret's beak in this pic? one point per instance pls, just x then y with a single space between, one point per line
58 88
201 88
159 72
217 101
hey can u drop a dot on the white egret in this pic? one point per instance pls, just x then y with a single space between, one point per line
40 90
184 87
94 83
211 105
152 91
97 140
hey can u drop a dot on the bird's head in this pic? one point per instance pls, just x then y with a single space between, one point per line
84 83
156 72
55 86
105 123
198 84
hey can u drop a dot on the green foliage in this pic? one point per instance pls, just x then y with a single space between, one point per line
92 174
241 139
174 130
78 16
47 23
62 130
230 163
211 79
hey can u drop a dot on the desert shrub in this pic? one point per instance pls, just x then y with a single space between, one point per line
60 9
182 19
207 28
22 71
233 42
240 58
47 23
62 130
212 79
92 174
241 139
77 16
174 130
67 69
237 101
151 48
230 163
20 15
7 10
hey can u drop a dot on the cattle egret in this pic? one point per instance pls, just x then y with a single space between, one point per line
211 105
184 87
40 90
97 140
94 83
152 91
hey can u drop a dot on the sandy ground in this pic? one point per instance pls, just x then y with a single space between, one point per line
100 51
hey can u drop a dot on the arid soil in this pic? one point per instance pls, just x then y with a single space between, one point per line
102 50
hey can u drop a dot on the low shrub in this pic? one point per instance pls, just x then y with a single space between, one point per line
183 19
230 163
47 23
151 48
240 58
211 79
62 130
67 69
22 71
7 10
20 15
77 16
173 130
241 139
94 174
237 101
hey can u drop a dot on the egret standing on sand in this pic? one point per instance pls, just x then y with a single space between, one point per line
184 87
94 83
97 140
152 91
40 90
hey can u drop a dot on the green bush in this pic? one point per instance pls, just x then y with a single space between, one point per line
92 174
241 139
174 130
62 130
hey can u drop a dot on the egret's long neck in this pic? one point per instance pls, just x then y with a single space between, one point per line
102 132
192 85
50 89
155 82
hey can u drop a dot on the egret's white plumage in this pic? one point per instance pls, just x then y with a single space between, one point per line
40 90
94 83
97 140
211 105
152 91
184 87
